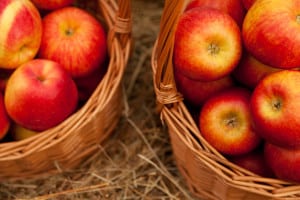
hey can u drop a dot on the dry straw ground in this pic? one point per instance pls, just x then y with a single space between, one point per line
136 161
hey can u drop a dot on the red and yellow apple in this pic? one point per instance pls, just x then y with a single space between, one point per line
75 39
271 32
274 105
5 122
250 71
197 92
284 162
40 94
52 4
225 122
207 44
21 32
248 3
234 8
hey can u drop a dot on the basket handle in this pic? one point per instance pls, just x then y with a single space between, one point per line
164 79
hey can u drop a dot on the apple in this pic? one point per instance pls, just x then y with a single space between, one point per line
284 162
21 32
197 92
52 4
87 84
207 44
250 71
234 8
75 39
225 122
255 162
20 133
248 3
4 118
271 32
40 94
274 105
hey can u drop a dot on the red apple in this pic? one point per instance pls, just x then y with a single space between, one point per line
75 39
197 92
248 3
271 32
21 32
225 122
87 84
4 118
234 8
250 71
284 162
52 4
207 44
275 105
40 94
255 162
20 133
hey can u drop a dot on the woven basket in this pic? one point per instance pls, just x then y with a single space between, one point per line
69 143
208 174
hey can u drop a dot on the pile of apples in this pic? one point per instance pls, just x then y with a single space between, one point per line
236 64
53 54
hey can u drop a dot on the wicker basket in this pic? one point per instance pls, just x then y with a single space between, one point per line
69 143
208 174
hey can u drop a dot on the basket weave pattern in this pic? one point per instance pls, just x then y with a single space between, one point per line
72 141
208 174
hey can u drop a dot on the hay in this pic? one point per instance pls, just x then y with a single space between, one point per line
136 161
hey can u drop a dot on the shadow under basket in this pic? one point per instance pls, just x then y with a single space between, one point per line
78 137
208 174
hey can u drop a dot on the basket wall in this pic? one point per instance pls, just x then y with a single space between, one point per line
71 142
207 173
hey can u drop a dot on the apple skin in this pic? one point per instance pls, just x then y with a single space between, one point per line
20 34
52 4
284 162
197 92
255 162
5 121
20 133
207 44
271 32
225 122
40 94
250 71
274 107
75 39
248 3
234 8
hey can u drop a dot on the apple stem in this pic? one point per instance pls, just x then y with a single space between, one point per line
213 49
231 122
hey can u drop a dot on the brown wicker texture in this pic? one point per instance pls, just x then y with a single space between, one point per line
69 143
208 174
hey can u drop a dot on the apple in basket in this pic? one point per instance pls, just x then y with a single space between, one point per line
284 162
234 8
197 92
271 32
248 3
75 39
274 106
40 94
225 122
51 4
20 133
207 44
250 71
5 122
21 32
